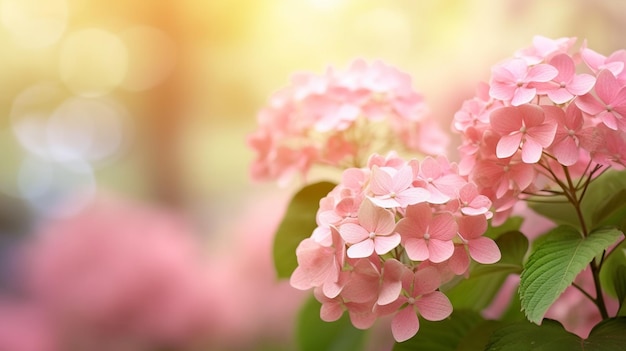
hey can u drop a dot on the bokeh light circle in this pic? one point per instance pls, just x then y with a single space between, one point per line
92 62
151 56
90 129
30 113
56 189
35 23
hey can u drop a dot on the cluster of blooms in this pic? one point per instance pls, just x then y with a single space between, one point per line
548 115
388 236
339 119
117 276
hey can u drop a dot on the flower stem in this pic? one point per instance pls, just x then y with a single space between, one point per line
576 200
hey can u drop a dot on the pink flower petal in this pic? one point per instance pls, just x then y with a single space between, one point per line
363 249
543 134
560 96
416 249
523 96
381 182
434 306
412 196
566 152
471 227
405 324
589 104
331 311
607 86
459 262
426 280
506 120
440 250
508 145
581 84
565 65
542 73
484 250
386 243
361 315
353 233
391 285
443 227
531 151
501 91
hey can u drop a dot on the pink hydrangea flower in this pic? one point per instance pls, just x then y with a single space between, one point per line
392 188
130 270
426 236
610 106
523 127
512 80
337 118
374 233
364 263
422 298
567 84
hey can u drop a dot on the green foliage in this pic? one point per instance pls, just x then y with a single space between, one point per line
297 225
513 223
604 204
619 279
463 330
612 262
551 336
484 282
605 200
553 265
558 210
313 334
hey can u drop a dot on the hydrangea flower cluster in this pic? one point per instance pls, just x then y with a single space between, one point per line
550 115
339 119
388 236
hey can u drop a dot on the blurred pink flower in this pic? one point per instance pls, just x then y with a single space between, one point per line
121 274
23 327
340 118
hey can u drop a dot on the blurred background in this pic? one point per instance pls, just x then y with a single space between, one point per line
116 112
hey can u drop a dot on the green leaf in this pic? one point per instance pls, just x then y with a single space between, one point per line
619 280
604 200
513 223
313 334
551 336
463 330
479 289
560 211
297 225
612 262
554 264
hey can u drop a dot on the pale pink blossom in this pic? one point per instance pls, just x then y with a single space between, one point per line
338 119
597 62
375 232
317 264
426 236
440 178
569 136
473 203
543 48
610 105
393 188
482 249
421 298
512 80
526 127
567 84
